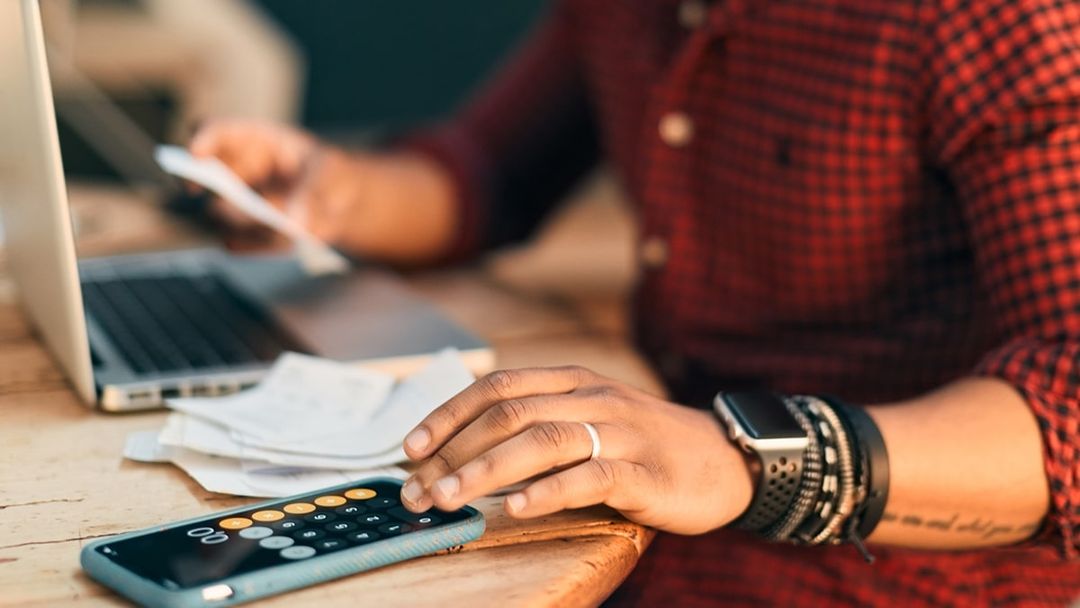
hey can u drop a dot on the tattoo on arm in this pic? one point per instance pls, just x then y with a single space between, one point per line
962 524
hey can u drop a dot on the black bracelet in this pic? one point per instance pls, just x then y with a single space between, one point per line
837 485
829 494
846 496
875 464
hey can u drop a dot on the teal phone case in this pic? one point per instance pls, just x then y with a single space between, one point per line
284 577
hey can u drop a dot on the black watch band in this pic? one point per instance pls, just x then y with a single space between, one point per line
762 425
775 493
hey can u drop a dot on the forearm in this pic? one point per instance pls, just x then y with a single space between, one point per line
408 215
521 143
966 468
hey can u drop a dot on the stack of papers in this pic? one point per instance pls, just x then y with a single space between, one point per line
310 423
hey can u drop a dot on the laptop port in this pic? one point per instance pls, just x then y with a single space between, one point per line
205 390
228 389
144 398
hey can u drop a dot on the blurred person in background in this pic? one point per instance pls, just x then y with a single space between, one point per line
877 200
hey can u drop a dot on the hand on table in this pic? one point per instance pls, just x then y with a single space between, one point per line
660 464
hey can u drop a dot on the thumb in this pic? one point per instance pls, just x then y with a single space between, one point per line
310 207
323 195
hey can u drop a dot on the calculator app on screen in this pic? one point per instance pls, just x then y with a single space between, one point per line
297 529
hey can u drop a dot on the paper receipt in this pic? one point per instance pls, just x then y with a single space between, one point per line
316 256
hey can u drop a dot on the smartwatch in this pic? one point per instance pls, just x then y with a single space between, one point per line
761 423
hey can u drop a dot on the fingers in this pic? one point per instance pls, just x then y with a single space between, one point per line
256 239
268 157
442 424
536 450
620 484
259 153
496 425
321 197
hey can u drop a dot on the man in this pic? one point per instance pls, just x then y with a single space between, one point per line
878 200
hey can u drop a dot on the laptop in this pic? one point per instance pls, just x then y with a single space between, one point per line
131 331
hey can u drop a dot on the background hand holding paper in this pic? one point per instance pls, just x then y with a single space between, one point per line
316 256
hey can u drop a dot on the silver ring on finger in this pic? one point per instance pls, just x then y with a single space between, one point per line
595 437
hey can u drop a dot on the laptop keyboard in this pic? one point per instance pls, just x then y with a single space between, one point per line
176 323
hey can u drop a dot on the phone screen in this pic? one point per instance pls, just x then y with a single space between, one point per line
294 529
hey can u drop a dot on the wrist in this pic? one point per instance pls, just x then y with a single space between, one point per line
824 476
401 208
740 473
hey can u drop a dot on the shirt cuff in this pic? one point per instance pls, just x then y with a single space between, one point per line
1047 375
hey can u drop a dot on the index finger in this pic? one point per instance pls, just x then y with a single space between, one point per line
208 138
442 424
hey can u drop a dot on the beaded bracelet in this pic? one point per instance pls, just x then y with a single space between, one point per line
829 493
810 481
842 481
872 471
843 477
846 502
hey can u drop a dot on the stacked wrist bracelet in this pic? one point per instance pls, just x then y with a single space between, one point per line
824 468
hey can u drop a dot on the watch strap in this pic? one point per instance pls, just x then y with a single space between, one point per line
776 489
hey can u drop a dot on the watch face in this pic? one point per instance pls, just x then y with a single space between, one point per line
763 416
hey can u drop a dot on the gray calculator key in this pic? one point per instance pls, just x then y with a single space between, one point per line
297 552
256 532
276 542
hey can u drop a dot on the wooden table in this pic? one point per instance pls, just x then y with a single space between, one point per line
63 480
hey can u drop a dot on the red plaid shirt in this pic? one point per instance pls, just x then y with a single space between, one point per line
868 198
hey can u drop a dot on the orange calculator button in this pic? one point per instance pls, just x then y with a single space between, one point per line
329 501
360 494
299 508
235 523
267 515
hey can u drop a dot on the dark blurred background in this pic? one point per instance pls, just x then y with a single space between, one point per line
366 66
392 63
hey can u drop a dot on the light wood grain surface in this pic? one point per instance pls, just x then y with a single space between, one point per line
63 480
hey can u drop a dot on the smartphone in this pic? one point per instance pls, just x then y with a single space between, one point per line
238 555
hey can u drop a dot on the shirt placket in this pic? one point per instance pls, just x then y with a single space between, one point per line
670 133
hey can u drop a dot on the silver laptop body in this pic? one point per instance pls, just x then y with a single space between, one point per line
130 331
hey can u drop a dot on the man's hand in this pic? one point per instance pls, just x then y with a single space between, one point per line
272 159
660 464
394 207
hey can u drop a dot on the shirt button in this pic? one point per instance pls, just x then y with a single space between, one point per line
654 252
676 129
693 13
